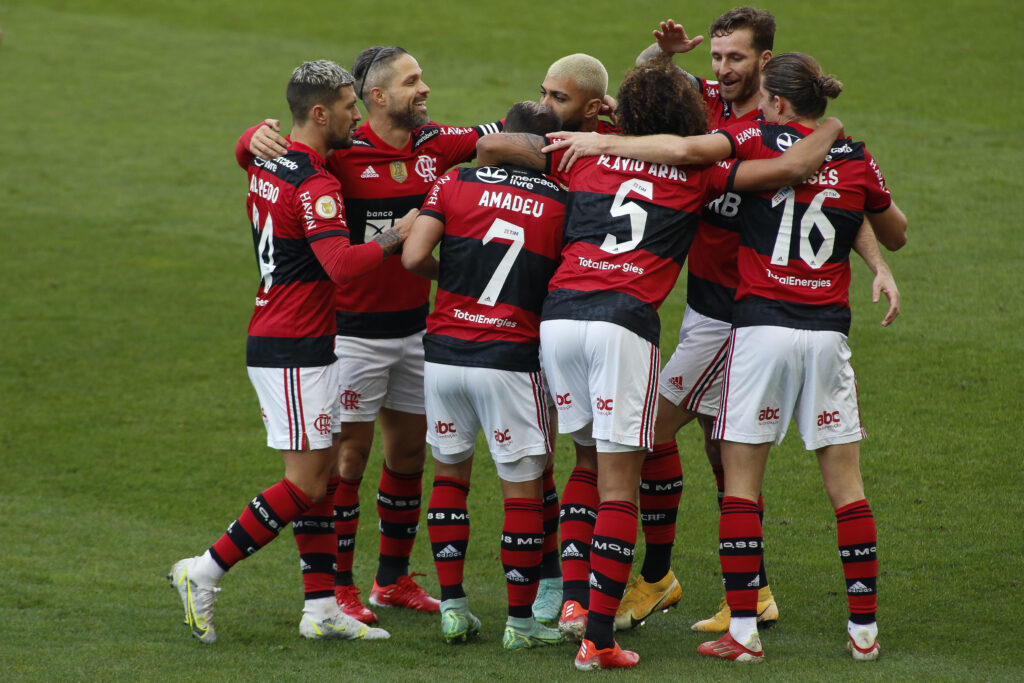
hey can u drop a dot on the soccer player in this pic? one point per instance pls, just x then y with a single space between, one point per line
789 358
500 230
690 383
395 159
627 231
576 88
302 248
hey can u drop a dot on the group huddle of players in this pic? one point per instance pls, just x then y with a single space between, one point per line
554 253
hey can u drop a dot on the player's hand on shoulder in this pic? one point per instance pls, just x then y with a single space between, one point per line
577 146
672 38
608 107
833 122
267 142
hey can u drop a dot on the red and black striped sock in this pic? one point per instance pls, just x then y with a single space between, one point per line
260 523
661 487
550 567
346 523
522 537
448 528
576 525
398 506
611 557
740 546
318 545
858 539
762 574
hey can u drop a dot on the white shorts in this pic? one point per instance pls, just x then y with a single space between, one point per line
299 405
775 374
379 373
509 406
602 373
692 377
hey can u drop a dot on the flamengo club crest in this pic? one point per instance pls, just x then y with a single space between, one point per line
399 172
426 167
323 423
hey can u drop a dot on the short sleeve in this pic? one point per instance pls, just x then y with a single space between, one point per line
320 207
435 203
878 198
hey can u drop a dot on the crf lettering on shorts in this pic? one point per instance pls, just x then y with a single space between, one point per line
827 419
323 423
604 404
350 399
563 399
769 414
501 436
444 428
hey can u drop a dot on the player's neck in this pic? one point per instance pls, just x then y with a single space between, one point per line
741 109
589 125
311 138
387 130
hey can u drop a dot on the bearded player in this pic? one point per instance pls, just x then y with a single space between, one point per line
395 159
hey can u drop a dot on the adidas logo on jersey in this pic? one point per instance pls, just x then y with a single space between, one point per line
858 587
571 551
515 576
448 552
369 173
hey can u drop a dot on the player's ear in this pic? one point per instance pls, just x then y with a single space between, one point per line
766 56
592 108
318 114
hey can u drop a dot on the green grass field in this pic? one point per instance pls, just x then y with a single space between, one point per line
130 436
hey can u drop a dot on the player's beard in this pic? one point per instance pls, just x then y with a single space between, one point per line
750 88
340 143
411 117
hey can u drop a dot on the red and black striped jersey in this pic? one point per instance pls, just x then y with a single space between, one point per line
381 184
795 242
628 227
711 270
502 237
293 201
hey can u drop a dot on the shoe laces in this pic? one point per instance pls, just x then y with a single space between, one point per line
349 593
406 585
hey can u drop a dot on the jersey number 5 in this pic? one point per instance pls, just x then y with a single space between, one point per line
637 215
501 229
813 217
